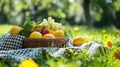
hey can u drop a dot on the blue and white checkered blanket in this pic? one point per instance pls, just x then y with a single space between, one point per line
11 48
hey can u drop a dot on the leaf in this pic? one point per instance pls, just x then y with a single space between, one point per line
26 29
29 18
28 26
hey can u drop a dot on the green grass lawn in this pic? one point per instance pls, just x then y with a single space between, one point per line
4 28
99 35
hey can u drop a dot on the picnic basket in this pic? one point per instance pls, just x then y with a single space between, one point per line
44 42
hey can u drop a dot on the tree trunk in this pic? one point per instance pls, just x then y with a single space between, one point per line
86 4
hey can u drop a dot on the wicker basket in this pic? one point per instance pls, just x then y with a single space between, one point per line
44 42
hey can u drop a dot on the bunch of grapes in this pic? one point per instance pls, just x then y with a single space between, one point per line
51 24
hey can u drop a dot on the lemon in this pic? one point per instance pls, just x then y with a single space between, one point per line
48 36
35 34
59 33
28 63
15 30
78 41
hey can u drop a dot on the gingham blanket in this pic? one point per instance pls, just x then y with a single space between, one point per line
11 48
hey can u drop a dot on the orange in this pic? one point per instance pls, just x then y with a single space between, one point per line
15 30
59 33
52 31
48 36
78 41
35 34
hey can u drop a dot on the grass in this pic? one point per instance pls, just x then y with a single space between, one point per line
82 59
4 29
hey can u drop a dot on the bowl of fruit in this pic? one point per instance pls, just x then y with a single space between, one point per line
43 34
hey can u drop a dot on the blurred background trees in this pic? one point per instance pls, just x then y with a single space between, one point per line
86 12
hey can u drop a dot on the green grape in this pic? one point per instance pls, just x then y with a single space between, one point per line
47 26
53 27
49 19
45 20
53 20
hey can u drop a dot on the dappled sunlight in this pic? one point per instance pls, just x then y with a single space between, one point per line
5 29
59 33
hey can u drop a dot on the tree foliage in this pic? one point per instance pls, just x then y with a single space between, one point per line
98 12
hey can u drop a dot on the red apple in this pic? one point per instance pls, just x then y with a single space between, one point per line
45 31
38 29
